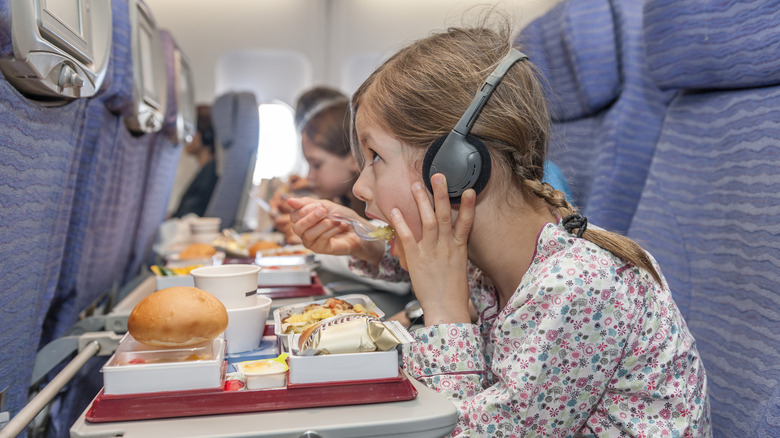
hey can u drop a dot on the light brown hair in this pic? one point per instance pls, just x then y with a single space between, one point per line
419 94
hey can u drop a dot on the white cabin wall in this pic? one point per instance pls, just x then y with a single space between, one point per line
329 33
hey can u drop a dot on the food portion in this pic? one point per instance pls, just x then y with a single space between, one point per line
177 317
348 333
197 251
164 271
262 245
313 313
385 232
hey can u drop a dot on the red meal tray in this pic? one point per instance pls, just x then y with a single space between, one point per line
108 408
307 290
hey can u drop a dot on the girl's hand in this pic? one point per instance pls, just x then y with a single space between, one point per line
438 263
325 236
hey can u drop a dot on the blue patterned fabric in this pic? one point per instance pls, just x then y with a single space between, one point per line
37 150
163 161
713 44
99 170
709 210
574 48
603 147
37 186
6 46
578 91
236 127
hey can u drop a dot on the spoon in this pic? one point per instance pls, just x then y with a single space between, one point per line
363 231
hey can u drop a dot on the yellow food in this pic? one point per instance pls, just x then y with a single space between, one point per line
197 251
385 232
313 313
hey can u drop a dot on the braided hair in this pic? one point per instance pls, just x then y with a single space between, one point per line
419 93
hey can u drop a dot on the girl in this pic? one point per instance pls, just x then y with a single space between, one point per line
577 333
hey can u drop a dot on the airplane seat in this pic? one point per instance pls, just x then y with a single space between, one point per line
37 188
163 160
606 112
112 178
709 210
578 91
88 272
236 130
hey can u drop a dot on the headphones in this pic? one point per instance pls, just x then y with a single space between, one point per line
460 156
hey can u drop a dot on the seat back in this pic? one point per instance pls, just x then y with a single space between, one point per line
579 92
161 169
236 130
709 210
94 240
606 111
37 186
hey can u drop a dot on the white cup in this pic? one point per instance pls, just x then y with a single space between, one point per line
234 285
246 326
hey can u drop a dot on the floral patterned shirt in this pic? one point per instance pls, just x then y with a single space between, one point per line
586 346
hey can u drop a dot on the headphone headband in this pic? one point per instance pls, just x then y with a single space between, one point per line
460 156
468 118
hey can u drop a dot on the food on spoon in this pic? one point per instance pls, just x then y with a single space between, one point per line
313 313
385 232
177 317
197 251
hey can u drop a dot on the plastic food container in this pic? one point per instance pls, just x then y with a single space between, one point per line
283 312
283 271
264 373
138 368
174 261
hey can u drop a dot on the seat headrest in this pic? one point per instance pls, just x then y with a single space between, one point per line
172 102
233 115
574 47
712 44
6 45
118 93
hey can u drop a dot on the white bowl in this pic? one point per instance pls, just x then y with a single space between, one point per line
246 326
234 285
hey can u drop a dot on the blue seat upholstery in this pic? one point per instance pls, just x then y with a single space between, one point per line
606 111
37 186
107 190
236 128
709 211
163 160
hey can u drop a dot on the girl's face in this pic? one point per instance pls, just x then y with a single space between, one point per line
330 175
386 178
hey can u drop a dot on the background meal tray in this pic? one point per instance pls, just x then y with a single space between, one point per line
108 408
307 290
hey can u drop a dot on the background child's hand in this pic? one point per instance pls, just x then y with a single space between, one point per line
438 263
326 236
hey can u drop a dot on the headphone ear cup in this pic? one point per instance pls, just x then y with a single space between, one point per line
487 165
430 154
483 174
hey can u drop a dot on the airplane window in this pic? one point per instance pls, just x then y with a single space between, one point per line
278 153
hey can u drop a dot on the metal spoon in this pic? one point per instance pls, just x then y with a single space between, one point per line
363 231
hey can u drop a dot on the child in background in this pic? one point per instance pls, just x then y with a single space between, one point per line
577 333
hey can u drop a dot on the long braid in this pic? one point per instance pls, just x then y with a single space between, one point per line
623 247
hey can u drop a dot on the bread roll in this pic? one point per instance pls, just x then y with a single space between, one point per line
177 317
308 331
197 251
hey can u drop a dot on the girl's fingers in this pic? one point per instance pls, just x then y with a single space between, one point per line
402 231
441 198
427 215
465 220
